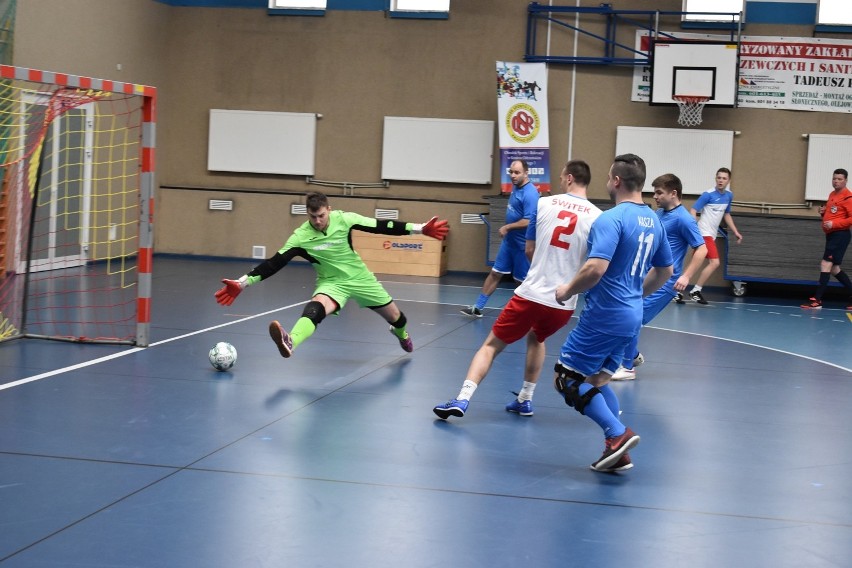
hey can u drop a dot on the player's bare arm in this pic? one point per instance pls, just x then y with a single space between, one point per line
516 226
529 249
698 256
655 278
589 275
729 221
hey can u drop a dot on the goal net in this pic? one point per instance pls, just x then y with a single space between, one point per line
76 194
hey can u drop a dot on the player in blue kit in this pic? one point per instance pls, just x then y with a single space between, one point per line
629 256
683 234
511 258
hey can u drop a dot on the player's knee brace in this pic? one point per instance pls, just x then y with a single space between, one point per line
314 311
567 382
400 323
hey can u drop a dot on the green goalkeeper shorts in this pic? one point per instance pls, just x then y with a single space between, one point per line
367 292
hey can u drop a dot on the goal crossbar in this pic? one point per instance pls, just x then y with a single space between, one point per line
76 207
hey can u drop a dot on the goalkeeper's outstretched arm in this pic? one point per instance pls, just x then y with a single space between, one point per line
434 227
232 288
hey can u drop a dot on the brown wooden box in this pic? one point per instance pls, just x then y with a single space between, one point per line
416 255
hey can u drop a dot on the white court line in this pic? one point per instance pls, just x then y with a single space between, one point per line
137 349
247 318
710 336
753 345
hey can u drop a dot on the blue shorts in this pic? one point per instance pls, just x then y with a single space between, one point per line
588 351
511 260
835 246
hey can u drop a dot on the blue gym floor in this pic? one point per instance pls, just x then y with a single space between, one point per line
114 456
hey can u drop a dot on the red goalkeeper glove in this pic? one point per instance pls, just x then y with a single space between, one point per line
436 228
229 292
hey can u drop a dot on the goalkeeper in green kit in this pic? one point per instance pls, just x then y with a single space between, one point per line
325 241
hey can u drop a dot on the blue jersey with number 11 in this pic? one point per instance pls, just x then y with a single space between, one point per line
632 238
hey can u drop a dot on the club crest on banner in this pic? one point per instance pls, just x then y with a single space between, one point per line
522 112
522 122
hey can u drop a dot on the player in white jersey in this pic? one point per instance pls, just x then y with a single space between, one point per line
556 241
714 206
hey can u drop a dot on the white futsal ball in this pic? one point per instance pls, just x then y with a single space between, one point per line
223 356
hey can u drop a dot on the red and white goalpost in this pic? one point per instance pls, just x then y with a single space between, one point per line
76 207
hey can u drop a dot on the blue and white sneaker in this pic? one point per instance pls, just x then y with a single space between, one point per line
452 408
523 408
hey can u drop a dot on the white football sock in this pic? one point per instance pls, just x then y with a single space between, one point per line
526 391
467 390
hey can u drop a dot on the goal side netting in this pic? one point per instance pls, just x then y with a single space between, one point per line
76 207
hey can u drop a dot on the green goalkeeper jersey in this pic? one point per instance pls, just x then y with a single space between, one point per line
331 251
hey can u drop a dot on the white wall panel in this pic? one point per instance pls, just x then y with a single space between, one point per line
826 153
692 155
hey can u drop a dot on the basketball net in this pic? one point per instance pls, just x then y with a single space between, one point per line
690 109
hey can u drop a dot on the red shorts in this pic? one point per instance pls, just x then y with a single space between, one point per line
521 315
712 251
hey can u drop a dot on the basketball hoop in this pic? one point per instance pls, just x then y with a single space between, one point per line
690 109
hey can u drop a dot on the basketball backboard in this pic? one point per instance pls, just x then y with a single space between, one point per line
695 69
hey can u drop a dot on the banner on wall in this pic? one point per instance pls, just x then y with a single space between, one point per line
522 120
813 74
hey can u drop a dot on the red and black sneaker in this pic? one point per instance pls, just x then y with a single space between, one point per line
281 338
812 304
614 448
623 464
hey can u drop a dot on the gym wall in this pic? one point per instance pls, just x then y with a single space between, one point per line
355 68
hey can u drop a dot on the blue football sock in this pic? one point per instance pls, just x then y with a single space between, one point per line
611 399
598 410
631 352
481 301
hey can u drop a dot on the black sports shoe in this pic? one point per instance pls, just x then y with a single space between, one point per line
696 296
679 298
472 311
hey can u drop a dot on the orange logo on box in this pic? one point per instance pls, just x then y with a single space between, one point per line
406 246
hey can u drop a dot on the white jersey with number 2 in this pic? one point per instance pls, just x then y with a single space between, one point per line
560 229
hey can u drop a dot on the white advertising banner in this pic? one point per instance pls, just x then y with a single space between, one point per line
812 74
522 121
